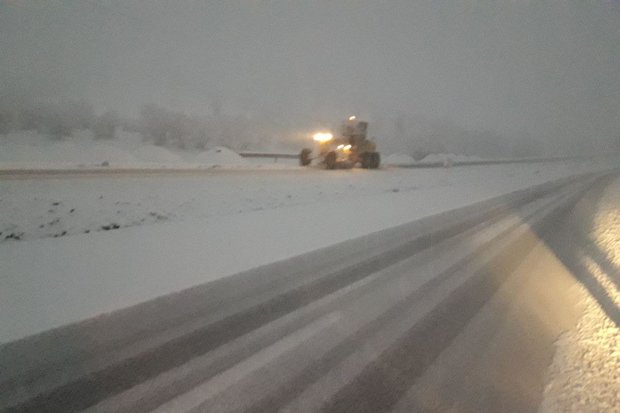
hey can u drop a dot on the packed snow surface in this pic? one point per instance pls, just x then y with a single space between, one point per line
30 149
585 373
220 156
401 159
78 246
448 158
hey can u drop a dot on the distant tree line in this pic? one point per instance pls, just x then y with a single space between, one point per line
419 136
156 124
165 127
58 119
414 135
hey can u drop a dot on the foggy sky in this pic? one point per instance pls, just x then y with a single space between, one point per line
546 69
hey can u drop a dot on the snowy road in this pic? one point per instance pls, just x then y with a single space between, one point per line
457 312
74 248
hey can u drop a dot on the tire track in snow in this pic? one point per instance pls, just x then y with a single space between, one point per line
396 368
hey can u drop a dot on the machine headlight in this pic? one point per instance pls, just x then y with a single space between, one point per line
323 137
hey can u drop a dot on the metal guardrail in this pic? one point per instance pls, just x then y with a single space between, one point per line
269 155
438 164
100 170
498 161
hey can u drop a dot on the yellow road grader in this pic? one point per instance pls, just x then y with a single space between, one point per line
347 150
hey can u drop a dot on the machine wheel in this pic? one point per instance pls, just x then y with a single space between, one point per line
330 160
304 157
366 160
375 160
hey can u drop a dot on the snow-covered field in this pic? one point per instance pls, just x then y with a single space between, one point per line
32 150
58 207
75 247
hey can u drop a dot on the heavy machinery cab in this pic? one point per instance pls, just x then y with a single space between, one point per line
354 131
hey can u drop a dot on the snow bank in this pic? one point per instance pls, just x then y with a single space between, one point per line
30 149
220 156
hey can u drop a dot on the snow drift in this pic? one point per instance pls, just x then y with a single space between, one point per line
219 156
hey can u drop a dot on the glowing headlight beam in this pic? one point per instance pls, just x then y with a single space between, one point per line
323 137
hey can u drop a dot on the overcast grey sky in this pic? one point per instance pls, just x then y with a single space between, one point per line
550 69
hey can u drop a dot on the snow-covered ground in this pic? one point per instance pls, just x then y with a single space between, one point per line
398 159
90 245
54 207
447 159
585 373
32 150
